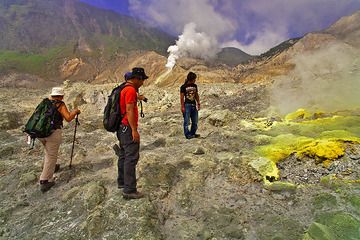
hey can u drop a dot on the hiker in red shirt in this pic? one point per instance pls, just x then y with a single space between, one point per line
128 135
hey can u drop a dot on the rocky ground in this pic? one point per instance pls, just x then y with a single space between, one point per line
201 188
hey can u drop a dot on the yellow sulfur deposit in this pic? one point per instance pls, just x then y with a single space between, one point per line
322 150
322 139
265 168
282 146
300 114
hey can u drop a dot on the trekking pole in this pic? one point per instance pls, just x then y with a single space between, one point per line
141 110
73 144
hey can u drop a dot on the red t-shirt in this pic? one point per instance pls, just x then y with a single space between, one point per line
128 95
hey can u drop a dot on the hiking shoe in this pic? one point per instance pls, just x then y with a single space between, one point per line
190 136
120 186
57 168
116 149
45 185
134 195
196 135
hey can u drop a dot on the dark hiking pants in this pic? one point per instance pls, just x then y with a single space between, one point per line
128 158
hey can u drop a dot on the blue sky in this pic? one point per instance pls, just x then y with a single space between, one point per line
254 26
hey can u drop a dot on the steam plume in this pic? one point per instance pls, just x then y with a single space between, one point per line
192 44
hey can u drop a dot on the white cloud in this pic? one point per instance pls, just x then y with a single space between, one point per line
174 15
263 42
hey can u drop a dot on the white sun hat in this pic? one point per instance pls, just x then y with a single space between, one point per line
57 91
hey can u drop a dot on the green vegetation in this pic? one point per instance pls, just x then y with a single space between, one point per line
338 225
354 200
280 228
324 200
32 63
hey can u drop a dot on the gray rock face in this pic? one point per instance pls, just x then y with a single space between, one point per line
202 188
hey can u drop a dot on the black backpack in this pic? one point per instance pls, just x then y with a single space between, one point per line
112 113
41 123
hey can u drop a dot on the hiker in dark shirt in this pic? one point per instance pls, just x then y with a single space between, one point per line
190 105
52 142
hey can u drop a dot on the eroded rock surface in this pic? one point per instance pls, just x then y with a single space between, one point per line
203 188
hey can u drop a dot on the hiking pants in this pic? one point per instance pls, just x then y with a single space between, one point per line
190 113
51 148
128 158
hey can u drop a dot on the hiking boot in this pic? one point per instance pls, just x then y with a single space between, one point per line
45 185
190 136
134 195
196 135
116 149
120 186
57 168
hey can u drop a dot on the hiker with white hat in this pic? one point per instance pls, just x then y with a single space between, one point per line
52 142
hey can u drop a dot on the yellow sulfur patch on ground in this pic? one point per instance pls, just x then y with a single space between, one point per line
282 146
323 137
323 150
300 114
265 168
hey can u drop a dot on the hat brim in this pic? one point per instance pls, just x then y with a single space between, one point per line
142 77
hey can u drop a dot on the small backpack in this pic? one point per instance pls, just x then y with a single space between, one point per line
41 122
112 113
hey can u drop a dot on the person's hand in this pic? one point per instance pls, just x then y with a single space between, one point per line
198 106
135 136
77 111
183 109
142 98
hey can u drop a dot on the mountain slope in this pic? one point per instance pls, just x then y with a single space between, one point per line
35 25
347 29
45 33
279 48
232 56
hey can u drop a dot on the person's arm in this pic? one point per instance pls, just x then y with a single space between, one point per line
197 98
182 102
130 112
68 116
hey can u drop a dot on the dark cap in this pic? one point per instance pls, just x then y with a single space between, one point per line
127 76
138 72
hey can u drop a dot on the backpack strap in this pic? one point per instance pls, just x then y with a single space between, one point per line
57 103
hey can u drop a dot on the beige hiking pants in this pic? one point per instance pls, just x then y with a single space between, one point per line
51 148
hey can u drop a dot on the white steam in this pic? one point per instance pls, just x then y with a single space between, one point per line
192 44
327 80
